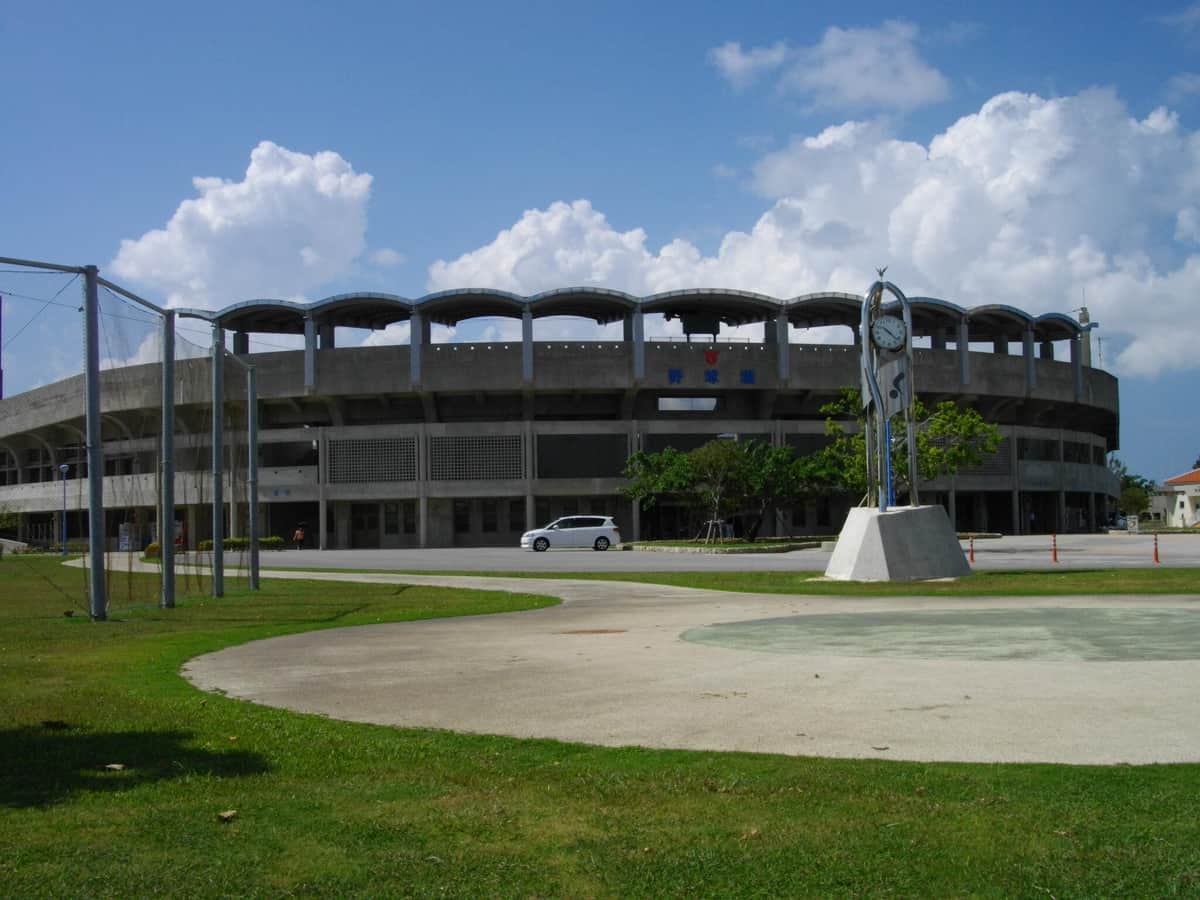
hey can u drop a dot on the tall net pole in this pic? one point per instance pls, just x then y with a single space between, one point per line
166 491
95 448
252 471
218 460
111 359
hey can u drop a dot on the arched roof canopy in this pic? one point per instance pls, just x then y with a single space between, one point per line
361 310
703 311
600 304
931 315
451 307
262 317
823 309
986 323
1055 327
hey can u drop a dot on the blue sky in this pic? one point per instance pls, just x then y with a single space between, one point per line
544 144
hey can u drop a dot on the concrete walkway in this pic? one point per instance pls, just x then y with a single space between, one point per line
609 667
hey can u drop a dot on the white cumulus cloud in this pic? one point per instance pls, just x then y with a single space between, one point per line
849 68
741 67
386 257
867 68
292 224
1034 202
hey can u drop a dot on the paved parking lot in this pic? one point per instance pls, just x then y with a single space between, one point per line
1075 551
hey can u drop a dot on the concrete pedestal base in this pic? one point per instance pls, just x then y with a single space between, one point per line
906 543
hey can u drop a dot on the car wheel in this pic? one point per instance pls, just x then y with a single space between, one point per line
541 544
601 544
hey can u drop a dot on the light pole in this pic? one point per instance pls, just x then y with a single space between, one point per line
62 468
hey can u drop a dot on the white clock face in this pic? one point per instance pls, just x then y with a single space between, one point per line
888 333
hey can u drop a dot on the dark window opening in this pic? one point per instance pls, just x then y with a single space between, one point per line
462 516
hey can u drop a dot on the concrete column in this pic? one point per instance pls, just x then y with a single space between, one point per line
1014 481
190 520
1030 362
310 355
229 492
530 439
635 515
322 480
937 340
417 338
1060 514
423 485
639 345
341 523
1085 345
241 343
527 346
782 348
952 506
1077 365
1047 350
328 341
963 345
1000 345
1091 511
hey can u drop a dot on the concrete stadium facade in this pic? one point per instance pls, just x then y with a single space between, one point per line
443 443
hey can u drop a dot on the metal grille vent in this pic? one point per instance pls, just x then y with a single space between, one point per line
471 457
373 459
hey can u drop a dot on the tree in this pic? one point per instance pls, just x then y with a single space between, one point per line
720 479
8 518
1136 491
776 476
948 439
724 478
655 475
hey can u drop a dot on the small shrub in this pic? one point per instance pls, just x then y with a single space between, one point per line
240 543
152 551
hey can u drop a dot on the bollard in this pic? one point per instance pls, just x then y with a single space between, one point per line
1054 548
972 548
1156 559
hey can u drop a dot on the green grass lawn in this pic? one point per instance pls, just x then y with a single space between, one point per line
342 809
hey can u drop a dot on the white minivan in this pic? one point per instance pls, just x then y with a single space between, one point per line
597 532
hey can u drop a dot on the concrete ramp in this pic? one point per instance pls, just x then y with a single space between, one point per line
905 543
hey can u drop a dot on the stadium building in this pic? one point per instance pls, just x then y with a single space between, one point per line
436 444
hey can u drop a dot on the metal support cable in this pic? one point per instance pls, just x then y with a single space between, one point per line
46 304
